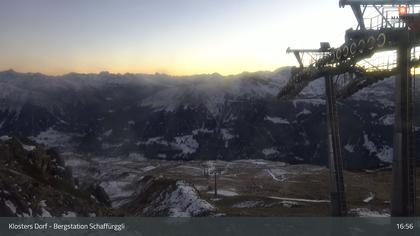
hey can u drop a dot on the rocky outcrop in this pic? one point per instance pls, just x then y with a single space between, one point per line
167 197
35 182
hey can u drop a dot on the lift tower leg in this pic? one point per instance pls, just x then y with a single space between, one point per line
403 168
338 201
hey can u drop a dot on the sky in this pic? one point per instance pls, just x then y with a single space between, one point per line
177 37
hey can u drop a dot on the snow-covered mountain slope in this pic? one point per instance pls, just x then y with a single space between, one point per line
214 91
194 117
164 197
159 91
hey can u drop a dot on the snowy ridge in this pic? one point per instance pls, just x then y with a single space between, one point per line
172 92
184 201
166 117
161 92
213 90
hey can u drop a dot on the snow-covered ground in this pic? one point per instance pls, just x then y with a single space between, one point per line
224 192
300 199
365 212
246 182
118 175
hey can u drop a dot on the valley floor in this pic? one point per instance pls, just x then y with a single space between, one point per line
244 187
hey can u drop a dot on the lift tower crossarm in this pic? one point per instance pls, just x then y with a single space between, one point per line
378 2
289 50
299 53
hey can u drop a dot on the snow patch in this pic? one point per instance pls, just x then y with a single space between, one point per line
11 206
282 173
349 148
202 130
304 112
290 204
28 148
277 120
272 175
299 199
187 144
369 198
226 135
43 203
385 154
310 101
52 138
364 212
107 133
69 214
270 151
368 144
148 168
45 213
224 192
5 138
387 120
136 156
154 140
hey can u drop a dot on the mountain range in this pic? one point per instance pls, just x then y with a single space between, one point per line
207 117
